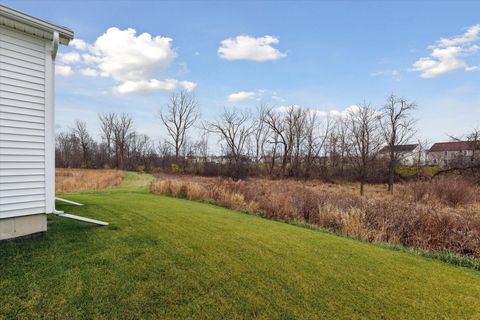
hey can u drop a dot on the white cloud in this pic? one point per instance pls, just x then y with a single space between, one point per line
471 35
122 55
64 71
240 96
136 62
260 95
89 72
90 59
448 54
70 57
472 68
144 86
79 44
244 47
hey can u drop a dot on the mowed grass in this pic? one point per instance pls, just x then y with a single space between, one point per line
169 258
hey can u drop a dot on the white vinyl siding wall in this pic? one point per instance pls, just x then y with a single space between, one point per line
22 124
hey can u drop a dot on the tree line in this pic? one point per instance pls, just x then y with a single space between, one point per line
265 141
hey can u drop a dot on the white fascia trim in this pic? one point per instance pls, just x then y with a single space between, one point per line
26 23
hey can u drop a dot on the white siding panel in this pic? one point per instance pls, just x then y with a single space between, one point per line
22 39
8 46
13 194
22 124
21 55
19 158
21 199
25 111
20 172
23 71
21 77
21 131
21 137
23 84
22 104
22 97
24 210
23 179
22 145
22 90
21 185
38 205
32 65
22 165
23 152
21 117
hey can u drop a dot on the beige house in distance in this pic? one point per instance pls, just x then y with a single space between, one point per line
455 152
408 154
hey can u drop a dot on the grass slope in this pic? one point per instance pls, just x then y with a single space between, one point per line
170 258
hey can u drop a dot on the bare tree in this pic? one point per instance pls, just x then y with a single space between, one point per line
398 128
311 140
81 133
260 134
122 129
339 146
318 131
180 115
107 122
297 119
234 127
65 149
474 139
363 129
282 130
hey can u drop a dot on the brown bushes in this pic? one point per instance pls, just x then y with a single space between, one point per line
439 215
451 191
71 180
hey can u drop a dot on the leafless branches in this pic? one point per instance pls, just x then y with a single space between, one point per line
365 140
234 128
80 132
180 115
398 128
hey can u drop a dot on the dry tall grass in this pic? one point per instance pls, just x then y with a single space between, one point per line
71 180
439 215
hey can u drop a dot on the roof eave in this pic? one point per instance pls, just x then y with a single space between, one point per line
34 26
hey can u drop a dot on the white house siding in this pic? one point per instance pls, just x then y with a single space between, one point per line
22 124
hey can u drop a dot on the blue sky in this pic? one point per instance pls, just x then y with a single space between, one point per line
321 55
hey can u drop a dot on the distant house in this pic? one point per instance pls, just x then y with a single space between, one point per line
455 152
408 154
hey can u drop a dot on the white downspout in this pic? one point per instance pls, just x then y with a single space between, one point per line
55 43
53 52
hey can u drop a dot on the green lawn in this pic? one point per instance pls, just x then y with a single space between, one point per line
169 258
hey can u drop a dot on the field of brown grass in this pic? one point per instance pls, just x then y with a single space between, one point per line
71 180
439 215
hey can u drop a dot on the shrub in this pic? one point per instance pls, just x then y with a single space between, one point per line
451 191
176 168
